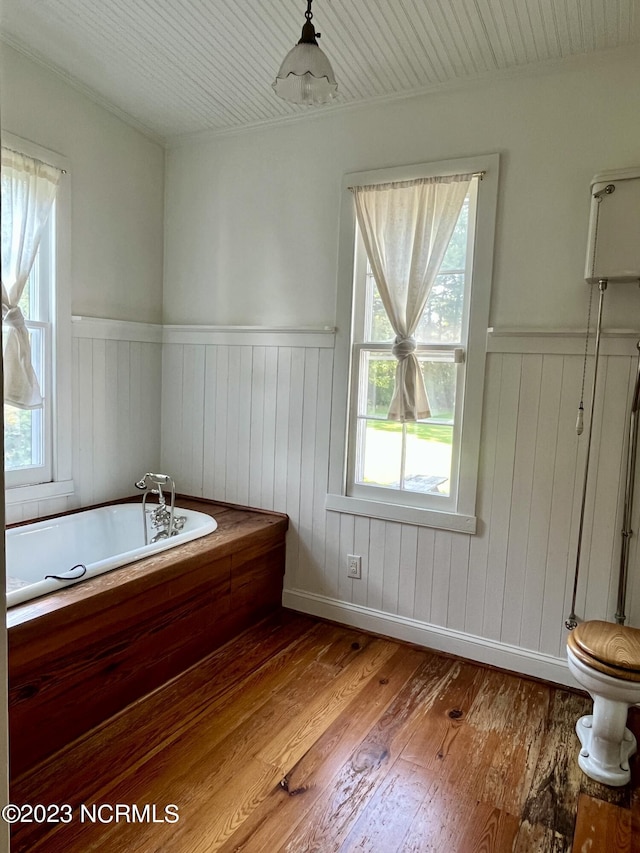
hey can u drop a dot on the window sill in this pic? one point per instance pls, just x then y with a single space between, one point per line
38 492
404 514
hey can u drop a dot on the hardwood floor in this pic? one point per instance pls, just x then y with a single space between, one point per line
302 736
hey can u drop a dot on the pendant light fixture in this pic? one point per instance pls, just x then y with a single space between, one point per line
306 76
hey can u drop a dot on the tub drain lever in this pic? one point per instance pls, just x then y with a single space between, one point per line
67 576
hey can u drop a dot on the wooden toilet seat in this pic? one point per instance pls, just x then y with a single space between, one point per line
608 648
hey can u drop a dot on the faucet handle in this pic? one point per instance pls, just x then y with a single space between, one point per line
150 479
159 479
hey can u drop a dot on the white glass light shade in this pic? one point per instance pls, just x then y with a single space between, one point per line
306 76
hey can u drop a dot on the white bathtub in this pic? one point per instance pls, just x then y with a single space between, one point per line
100 539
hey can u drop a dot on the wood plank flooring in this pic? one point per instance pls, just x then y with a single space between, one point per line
301 736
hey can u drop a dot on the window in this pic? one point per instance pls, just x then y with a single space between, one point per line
424 470
28 447
37 441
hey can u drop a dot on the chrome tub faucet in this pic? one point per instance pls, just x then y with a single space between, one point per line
162 519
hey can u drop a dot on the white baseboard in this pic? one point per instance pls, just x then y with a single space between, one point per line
503 655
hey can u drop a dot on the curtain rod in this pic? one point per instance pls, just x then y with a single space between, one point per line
37 159
411 181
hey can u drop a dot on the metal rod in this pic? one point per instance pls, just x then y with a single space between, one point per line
144 517
479 175
627 532
37 159
572 622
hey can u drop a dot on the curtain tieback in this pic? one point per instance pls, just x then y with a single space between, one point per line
403 347
13 317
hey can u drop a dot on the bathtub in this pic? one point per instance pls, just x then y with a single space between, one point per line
97 540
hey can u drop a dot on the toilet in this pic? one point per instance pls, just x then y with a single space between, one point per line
604 658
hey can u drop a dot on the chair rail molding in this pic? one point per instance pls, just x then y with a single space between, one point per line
264 336
103 329
560 341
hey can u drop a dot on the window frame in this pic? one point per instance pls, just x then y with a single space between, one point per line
459 513
55 479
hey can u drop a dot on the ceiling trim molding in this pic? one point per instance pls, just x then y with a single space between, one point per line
575 62
570 63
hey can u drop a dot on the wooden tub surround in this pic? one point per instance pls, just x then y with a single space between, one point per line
79 656
301 736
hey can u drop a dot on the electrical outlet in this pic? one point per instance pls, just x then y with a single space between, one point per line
354 566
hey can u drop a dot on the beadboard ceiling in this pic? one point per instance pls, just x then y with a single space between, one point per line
178 67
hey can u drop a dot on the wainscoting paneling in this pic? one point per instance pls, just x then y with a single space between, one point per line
117 391
249 423
246 418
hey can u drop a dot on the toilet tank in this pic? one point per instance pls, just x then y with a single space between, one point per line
613 249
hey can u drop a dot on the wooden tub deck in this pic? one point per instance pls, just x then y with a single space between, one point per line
79 656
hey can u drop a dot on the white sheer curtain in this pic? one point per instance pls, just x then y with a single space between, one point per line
406 228
28 190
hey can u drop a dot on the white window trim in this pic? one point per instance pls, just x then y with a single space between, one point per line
61 476
464 517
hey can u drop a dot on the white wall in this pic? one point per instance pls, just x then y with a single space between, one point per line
252 218
251 237
117 203
117 186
